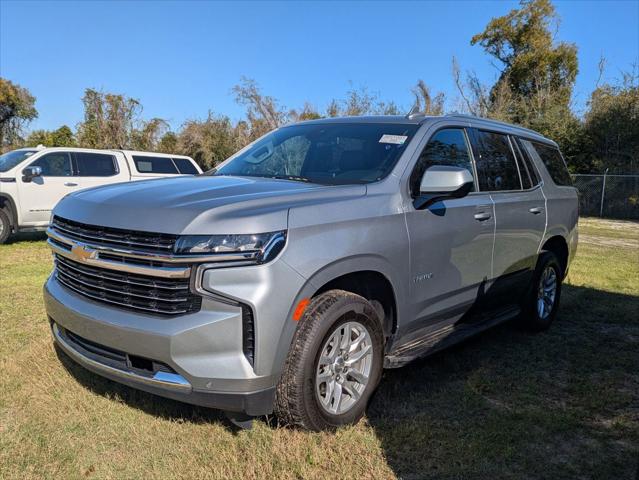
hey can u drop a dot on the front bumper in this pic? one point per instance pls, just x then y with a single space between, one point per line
203 350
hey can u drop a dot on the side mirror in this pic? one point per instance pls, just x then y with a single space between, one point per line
29 173
441 182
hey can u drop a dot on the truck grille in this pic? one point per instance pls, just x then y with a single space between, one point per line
115 237
130 291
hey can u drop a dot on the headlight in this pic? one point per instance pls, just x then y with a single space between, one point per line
260 247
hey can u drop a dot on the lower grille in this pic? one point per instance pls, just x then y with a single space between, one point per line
112 357
128 291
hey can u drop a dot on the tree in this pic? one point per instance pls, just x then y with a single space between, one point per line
425 103
358 102
539 73
17 107
109 120
611 127
536 77
147 136
168 143
62 137
263 112
211 141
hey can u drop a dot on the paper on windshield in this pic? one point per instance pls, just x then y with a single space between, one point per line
394 139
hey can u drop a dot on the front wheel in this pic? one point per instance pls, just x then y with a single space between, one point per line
334 364
541 305
5 227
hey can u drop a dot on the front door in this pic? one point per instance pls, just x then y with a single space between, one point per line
39 196
451 242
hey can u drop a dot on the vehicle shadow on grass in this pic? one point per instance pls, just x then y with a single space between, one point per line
512 404
503 404
26 237
164 408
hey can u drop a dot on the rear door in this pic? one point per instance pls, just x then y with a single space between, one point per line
520 212
451 242
39 196
95 169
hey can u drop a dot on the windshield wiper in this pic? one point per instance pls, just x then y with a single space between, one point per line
296 178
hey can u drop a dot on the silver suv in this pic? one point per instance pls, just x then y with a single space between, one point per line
286 279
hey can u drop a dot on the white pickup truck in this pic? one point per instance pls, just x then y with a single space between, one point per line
33 180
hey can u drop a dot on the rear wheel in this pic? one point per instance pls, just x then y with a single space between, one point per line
542 303
5 226
334 364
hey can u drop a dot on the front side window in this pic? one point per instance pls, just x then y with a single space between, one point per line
11 159
57 164
551 157
185 166
325 153
496 167
445 147
95 164
146 164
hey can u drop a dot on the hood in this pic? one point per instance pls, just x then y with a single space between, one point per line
198 205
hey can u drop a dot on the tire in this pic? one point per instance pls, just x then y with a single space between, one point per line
316 370
5 227
537 317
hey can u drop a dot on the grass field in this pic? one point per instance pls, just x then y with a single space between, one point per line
506 404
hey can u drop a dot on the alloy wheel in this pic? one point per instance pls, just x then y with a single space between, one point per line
344 367
546 292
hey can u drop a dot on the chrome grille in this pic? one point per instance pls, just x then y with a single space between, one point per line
126 290
115 237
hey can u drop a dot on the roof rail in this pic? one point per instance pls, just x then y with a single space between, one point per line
490 120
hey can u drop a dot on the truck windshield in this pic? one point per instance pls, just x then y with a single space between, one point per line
325 153
11 159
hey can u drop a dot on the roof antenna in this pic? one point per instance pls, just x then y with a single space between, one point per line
413 111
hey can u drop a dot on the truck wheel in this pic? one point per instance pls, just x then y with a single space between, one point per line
5 227
541 305
334 364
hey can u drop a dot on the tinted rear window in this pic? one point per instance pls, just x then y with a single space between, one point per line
146 164
496 167
185 166
551 157
95 164
526 164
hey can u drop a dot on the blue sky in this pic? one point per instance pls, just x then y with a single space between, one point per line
181 59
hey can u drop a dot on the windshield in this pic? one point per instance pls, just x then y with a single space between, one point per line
11 159
330 154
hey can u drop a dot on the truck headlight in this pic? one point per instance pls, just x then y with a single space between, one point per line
260 247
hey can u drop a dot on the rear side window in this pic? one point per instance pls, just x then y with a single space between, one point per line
496 166
185 166
57 164
95 164
526 163
551 157
445 147
146 164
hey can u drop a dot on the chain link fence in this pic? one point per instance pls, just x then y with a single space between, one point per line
609 196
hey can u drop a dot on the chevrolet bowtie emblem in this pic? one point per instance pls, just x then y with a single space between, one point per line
82 252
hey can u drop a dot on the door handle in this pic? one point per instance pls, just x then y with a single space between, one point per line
536 210
70 184
482 216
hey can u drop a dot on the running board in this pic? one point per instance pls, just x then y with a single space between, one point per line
443 338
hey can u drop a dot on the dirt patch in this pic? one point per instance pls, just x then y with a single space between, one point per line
612 224
608 241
